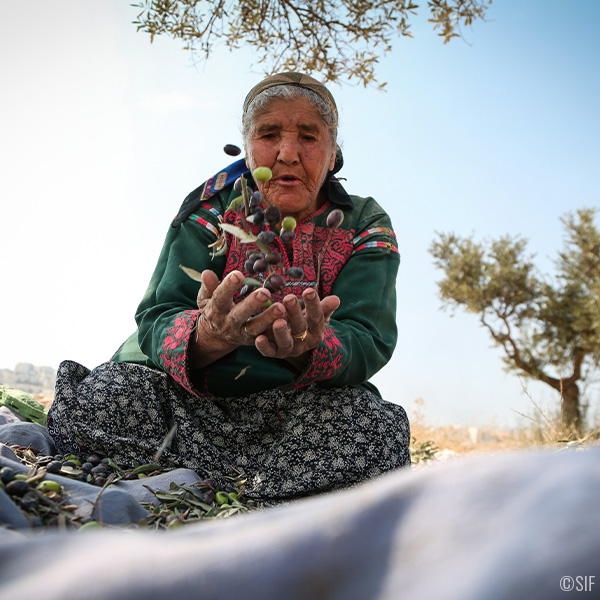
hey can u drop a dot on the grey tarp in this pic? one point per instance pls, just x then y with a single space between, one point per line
504 526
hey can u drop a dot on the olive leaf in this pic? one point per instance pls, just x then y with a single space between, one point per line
147 468
251 282
236 203
243 236
192 273
242 372
219 247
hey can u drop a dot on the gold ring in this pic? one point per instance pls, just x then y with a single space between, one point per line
301 337
246 330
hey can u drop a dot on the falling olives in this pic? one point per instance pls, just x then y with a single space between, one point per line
262 174
231 149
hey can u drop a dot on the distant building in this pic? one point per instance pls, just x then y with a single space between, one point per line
29 378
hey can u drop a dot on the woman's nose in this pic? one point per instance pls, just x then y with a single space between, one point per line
288 152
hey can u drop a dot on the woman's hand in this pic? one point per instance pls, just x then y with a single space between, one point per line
300 331
223 325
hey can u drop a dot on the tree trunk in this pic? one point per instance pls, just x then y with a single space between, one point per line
570 411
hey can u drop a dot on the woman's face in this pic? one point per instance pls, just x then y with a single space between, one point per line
293 141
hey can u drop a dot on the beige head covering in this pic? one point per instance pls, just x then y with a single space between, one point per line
297 79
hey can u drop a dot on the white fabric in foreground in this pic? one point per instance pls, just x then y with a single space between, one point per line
492 527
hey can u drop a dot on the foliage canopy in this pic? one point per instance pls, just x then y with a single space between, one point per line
335 38
549 330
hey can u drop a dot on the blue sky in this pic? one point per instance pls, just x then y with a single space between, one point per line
103 135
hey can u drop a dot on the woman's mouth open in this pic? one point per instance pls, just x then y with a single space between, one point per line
288 180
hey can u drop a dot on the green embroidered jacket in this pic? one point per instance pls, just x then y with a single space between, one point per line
358 262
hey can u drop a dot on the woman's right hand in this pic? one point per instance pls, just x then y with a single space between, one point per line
221 326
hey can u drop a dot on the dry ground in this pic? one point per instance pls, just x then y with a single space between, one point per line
442 442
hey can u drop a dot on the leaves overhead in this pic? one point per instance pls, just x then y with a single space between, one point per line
335 39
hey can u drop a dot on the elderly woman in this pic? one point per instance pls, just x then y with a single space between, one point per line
265 376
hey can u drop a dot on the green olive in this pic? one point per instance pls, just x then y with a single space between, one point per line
262 174
288 224
48 486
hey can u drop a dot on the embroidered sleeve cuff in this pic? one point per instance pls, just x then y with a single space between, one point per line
174 350
325 361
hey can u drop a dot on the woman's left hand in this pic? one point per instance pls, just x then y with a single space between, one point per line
301 330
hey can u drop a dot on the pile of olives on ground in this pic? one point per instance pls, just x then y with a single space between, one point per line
45 502
41 500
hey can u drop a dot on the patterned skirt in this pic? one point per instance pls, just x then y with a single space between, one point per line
287 444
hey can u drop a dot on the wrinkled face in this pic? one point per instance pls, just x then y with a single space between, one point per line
292 140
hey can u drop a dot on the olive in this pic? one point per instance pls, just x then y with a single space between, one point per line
94 459
48 486
275 283
262 173
335 218
7 474
266 237
287 236
54 466
273 257
260 266
255 200
17 487
258 216
288 223
231 149
273 215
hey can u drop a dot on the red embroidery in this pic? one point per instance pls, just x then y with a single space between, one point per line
175 348
331 248
326 360
322 252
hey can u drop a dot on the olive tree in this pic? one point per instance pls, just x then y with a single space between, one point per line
547 327
337 39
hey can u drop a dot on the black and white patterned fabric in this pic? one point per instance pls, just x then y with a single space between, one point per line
287 444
